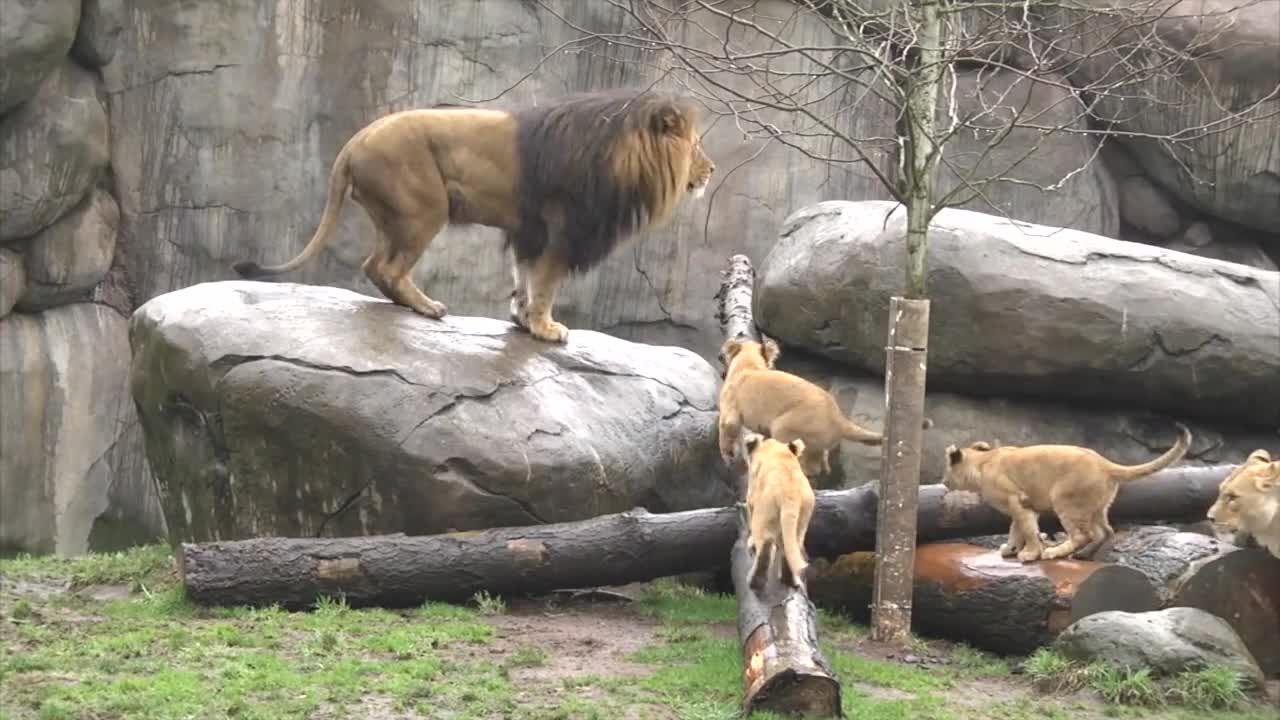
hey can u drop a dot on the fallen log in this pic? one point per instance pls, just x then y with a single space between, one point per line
634 546
1241 586
783 671
971 594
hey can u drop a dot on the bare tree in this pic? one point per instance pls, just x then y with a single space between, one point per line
925 96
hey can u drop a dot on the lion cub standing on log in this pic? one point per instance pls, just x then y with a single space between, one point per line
1075 483
760 399
1249 501
779 507
566 181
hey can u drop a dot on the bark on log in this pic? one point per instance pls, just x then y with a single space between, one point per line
1241 586
971 594
400 571
783 671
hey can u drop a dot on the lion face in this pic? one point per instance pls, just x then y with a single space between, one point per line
961 473
1249 498
701 168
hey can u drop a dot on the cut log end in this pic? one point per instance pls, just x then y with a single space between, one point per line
795 693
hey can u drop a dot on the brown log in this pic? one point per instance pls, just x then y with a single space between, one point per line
972 594
783 671
399 570
1239 585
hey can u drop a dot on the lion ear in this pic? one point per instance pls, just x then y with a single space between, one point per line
669 120
1259 456
729 349
1270 479
980 445
751 441
954 455
796 446
771 351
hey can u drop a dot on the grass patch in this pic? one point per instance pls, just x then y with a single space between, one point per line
149 566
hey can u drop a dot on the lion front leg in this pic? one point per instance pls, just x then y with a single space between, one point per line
544 283
519 292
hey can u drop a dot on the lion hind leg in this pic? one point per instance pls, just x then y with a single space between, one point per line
545 276
519 292
407 239
1078 533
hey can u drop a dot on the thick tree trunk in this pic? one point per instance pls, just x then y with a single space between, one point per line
971 594
399 570
782 669
1241 586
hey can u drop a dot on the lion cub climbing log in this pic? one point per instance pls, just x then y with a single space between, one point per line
758 398
779 507
566 181
1075 483
1249 500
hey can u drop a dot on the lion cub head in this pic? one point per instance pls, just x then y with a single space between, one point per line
762 450
963 465
1249 498
737 355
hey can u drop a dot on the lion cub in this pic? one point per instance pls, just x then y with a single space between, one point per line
1249 500
779 507
1075 483
787 407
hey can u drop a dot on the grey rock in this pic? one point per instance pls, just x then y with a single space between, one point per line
98 37
285 409
13 280
67 259
1021 310
52 150
1232 169
72 472
1169 642
1146 207
1123 434
1028 174
221 151
1198 234
34 37
1229 243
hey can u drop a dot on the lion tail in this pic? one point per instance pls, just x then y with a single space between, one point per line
850 430
1173 455
339 182
792 543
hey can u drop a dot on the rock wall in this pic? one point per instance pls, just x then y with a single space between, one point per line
145 146
73 475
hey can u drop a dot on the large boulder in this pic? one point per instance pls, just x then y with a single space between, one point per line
67 259
1123 434
73 474
1181 86
98 37
1168 642
34 37
1026 310
284 409
52 150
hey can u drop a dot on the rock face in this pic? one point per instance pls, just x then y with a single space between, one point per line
72 472
34 36
13 280
52 150
1025 310
1122 434
1169 642
282 409
98 37
67 259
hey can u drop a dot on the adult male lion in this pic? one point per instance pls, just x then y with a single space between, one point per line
566 181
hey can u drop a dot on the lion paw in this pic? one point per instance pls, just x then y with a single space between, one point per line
433 309
1007 550
1029 555
550 331
519 313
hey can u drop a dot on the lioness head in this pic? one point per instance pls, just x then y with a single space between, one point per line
961 472
753 354
1250 495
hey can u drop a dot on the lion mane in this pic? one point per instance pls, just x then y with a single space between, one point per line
566 181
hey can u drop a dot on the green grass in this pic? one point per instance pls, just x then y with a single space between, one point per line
155 656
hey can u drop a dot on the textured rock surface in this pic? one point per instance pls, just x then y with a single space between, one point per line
98 37
1228 161
1169 641
1146 207
1122 434
1023 176
34 35
1025 310
52 149
72 470
13 280
293 410
67 259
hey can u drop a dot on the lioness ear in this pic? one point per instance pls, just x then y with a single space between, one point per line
771 351
954 455
669 120
796 446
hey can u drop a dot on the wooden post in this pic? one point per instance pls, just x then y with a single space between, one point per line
905 370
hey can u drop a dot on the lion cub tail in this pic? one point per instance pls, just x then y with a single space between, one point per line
792 543
339 181
1173 455
851 430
